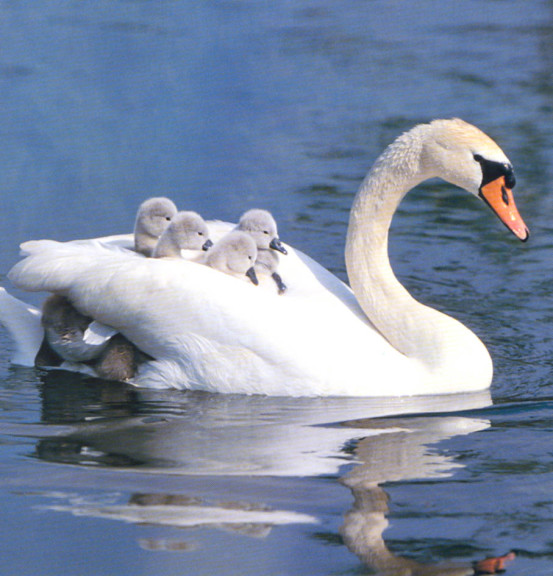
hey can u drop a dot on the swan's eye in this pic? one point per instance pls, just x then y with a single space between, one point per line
200 233
168 218
266 232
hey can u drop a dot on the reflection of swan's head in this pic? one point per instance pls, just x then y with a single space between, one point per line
463 155
152 218
234 254
186 231
261 226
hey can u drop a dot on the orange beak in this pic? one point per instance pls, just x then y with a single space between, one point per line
500 199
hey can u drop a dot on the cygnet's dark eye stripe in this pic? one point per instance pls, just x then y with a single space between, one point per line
493 170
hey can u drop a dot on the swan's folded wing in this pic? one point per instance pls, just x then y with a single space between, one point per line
223 333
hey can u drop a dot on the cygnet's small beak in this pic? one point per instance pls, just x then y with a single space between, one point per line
207 245
276 244
500 199
252 276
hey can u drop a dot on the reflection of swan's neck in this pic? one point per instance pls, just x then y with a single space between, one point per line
441 343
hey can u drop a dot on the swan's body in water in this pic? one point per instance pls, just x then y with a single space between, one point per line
261 226
209 331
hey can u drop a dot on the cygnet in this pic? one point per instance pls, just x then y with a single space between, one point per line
152 218
186 231
64 329
261 226
234 254
119 360
64 340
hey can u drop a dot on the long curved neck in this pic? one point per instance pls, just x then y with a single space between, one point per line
417 331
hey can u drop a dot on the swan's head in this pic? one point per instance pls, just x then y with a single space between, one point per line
154 215
234 254
463 155
188 231
261 226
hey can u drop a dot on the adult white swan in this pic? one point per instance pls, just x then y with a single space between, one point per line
214 332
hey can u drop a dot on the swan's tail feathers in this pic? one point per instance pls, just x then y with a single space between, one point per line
34 246
22 321
36 272
51 266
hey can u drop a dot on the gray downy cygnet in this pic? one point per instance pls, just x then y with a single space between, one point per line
152 218
234 254
261 226
186 231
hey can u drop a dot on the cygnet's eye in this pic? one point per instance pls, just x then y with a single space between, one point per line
266 232
200 233
168 218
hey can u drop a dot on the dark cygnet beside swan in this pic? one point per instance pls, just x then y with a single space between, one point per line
119 360
152 218
261 226
234 254
186 231
64 328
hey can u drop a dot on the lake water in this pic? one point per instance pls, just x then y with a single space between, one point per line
229 104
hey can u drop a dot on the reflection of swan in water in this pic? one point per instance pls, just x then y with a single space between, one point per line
181 511
217 435
241 435
397 456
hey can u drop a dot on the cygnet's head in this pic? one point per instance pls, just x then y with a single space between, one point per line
261 226
234 254
153 216
186 231
59 314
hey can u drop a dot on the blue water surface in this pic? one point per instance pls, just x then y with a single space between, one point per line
229 104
